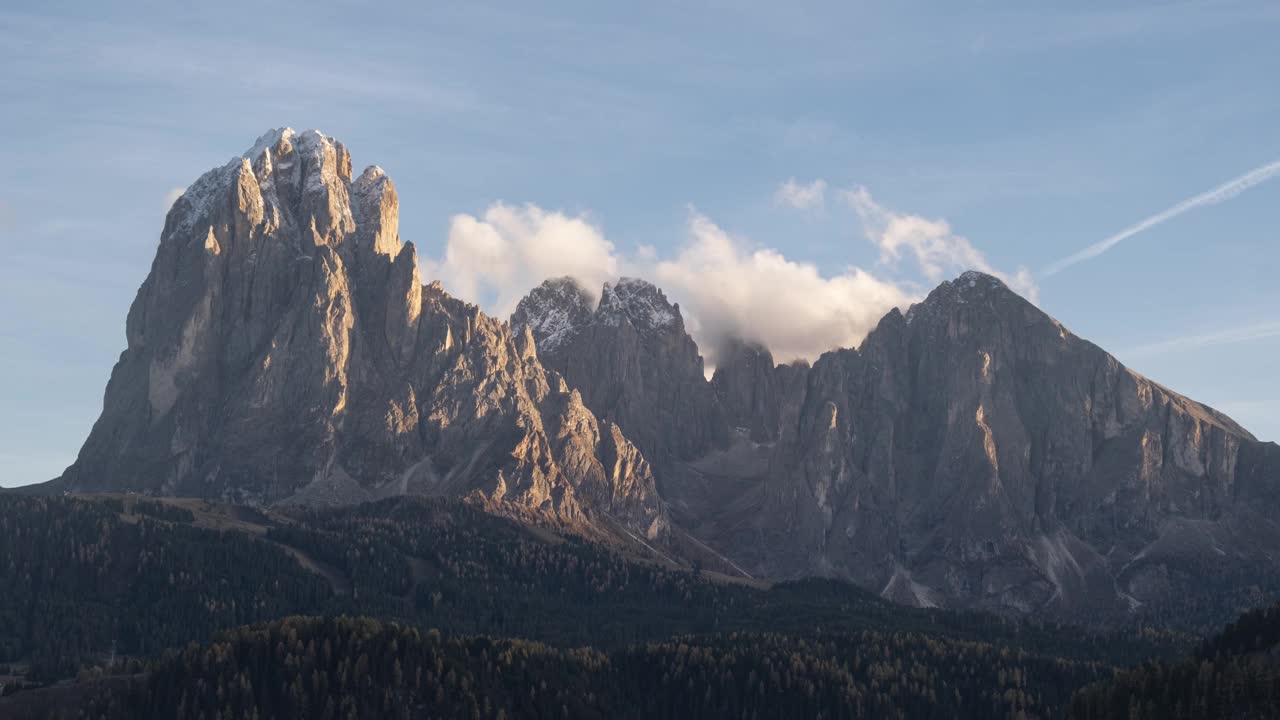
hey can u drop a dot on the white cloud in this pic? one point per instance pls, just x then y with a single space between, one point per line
497 259
731 289
727 286
801 197
937 250
172 196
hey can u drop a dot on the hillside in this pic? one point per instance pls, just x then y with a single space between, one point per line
126 577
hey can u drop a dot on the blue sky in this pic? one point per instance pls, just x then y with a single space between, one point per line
1032 133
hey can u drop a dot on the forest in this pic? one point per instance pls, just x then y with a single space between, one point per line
1236 674
349 667
360 667
159 605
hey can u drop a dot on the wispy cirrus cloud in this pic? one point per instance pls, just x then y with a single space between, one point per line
935 247
172 196
1223 192
1193 341
801 196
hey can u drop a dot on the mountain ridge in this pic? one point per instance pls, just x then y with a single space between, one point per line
284 349
862 465
970 452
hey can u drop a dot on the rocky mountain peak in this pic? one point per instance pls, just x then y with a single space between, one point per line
297 180
631 359
554 311
971 453
284 349
977 452
641 303
970 288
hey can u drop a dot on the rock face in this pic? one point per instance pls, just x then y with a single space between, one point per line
970 453
975 453
283 348
759 398
633 362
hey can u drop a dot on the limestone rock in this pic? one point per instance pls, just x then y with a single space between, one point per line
972 452
758 396
976 451
283 348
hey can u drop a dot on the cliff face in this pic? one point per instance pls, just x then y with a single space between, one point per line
975 452
283 348
972 453
760 398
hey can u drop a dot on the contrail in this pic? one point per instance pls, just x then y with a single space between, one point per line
1225 191
1259 331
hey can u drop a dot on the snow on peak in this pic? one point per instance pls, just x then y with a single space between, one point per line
194 202
323 155
974 278
638 301
559 308
553 312
369 187
268 139
970 285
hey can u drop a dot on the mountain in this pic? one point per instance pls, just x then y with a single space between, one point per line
284 349
633 361
971 452
760 398
975 452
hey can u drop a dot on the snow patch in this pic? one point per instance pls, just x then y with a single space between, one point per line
637 301
553 311
193 206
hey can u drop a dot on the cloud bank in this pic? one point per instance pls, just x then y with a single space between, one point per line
733 290
728 287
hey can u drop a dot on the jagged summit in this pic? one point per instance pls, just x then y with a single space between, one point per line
284 349
554 311
272 138
632 360
639 302
971 284
971 452
299 180
973 277
561 307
